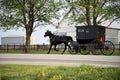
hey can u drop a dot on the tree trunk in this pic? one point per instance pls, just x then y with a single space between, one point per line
28 39
94 13
88 12
29 25
28 36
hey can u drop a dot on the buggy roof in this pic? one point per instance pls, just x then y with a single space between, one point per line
91 26
113 27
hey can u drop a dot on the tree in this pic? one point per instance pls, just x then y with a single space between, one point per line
93 12
28 14
114 10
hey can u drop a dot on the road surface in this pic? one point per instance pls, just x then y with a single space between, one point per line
60 60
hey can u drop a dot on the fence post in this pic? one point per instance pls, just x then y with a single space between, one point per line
14 47
119 47
43 46
4 47
7 47
37 47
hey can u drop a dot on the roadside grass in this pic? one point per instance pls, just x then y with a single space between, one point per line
116 53
33 51
37 72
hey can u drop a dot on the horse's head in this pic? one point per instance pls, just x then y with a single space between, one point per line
48 33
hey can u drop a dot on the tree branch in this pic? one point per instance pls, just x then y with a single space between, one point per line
112 22
64 17
102 17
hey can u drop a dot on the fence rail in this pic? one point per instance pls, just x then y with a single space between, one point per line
22 47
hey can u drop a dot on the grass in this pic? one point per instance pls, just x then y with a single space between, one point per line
33 51
37 72
117 52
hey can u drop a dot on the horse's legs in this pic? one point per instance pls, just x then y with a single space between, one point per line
65 48
50 48
55 48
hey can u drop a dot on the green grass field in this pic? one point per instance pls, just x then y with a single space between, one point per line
36 72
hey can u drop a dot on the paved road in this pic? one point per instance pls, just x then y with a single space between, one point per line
59 60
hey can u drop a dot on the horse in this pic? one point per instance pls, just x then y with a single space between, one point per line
56 39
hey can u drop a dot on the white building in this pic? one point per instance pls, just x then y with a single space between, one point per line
113 35
16 40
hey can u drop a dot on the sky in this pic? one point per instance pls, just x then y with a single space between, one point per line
38 34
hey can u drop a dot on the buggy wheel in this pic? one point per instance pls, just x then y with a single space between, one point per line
84 50
72 50
96 47
108 48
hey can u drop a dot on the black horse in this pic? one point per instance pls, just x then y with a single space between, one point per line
55 40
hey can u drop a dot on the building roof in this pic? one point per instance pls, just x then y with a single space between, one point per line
13 36
114 27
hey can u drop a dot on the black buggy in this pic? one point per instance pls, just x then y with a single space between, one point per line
91 39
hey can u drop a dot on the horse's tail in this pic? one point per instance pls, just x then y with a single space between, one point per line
70 39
